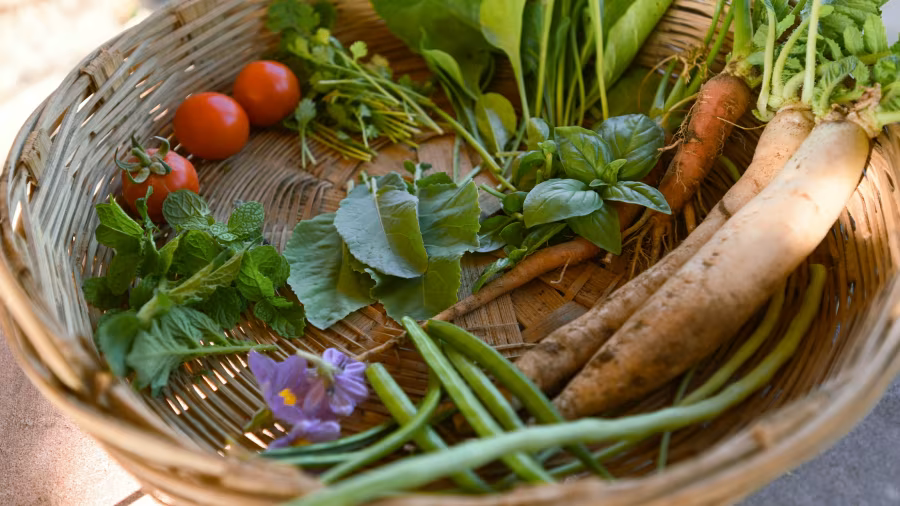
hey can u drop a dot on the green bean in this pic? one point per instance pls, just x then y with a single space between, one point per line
486 391
319 460
512 379
342 445
397 438
403 410
420 470
474 412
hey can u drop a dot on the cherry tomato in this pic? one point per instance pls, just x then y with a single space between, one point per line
211 125
268 91
164 170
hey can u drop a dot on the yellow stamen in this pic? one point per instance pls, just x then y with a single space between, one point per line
289 398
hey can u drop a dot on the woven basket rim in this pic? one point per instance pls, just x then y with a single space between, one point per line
773 444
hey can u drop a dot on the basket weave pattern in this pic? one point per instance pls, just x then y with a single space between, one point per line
61 165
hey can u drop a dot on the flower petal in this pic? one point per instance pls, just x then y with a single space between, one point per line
290 373
316 401
262 367
336 358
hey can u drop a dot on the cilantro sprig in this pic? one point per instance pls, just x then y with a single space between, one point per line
170 304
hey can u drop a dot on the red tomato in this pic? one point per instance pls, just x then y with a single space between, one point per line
268 91
211 125
164 170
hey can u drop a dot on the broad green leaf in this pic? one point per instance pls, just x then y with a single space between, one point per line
421 297
582 152
532 25
629 24
167 256
251 283
270 264
496 120
98 294
382 230
246 220
514 202
448 219
122 270
501 25
489 235
536 131
196 249
875 34
636 138
540 235
185 210
601 228
635 192
224 306
443 63
205 281
285 318
558 199
513 234
117 230
115 336
322 272
524 169
438 178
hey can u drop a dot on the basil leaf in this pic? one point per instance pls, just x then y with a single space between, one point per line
326 282
498 266
536 131
382 230
513 234
421 297
524 173
185 210
448 219
601 228
496 120
558 199
636 138
284 317
540 235
514 202
635 192
98 294
489 235
582 152
246 221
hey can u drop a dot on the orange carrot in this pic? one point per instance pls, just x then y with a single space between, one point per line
562 353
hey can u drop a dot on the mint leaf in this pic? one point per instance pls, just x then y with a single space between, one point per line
382 230
601 228
222 234
122 270
246 221
448 219
205 281
224 306
270 264
117 230
185 210
558 199
195 250
330 285
253 284
635 138
422 297
115 336
582 152
141 205
143 291
635 192
98 294
167 256
284 317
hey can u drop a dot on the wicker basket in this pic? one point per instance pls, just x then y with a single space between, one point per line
60 165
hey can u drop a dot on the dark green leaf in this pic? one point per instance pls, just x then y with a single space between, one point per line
421 297
558 199
437 178
185 210
253 284
498 266
285 318
115 336
489 235
97 293
582 152
382 230
122 270
635 192
496 120
247 220
524 174
536 131
224 306
196 249
442 63
143 291
636 138
322 272
514 202
601 228
540 235
270 264
117 230
205 281
448 219
167 256
513 234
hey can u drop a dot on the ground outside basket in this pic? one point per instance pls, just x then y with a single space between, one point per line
60 166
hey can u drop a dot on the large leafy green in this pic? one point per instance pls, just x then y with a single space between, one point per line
382 230
582 152
601 227
421 297
635 192
635 138
496 120
322 274
558 199
501 25
448 219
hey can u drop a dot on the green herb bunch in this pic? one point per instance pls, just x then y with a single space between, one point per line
350 101
171 304
392 241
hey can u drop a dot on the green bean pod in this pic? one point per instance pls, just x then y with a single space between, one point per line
403 410
489 394
512 379
469 405
397 438
342 445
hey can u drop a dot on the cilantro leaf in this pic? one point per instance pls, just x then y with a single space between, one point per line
296 15
283 316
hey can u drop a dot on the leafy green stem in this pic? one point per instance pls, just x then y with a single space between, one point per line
762 103
743 29
492 191
546 19
596 18
886 118
809 75
485 156
778 81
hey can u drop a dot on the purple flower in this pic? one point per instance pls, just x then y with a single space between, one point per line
309 431
340 388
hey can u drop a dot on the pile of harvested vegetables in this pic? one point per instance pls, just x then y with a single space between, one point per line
571 182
